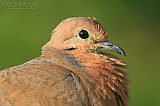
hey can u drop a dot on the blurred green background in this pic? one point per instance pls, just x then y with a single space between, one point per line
132 24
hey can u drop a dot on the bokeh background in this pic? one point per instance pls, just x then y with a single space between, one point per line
132 24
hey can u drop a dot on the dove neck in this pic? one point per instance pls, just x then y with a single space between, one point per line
92 62
104 74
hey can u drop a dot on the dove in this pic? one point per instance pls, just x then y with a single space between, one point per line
74 69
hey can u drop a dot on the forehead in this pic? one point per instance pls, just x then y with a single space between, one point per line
82 22
90 24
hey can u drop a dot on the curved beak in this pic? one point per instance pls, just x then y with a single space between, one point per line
110 46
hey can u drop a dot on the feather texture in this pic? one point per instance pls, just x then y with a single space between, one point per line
70 71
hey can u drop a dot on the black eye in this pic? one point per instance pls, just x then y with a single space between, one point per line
83 34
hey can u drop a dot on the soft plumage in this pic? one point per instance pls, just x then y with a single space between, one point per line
73 70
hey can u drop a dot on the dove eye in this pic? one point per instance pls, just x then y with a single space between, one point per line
83 34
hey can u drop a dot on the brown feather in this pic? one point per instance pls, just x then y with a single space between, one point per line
68 77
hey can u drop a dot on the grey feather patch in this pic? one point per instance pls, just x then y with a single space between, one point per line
72 60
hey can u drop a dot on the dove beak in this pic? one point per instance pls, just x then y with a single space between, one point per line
107 45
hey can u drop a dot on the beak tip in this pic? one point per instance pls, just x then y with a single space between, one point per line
109 46
121 51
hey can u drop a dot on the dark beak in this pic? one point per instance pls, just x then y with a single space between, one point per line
110 46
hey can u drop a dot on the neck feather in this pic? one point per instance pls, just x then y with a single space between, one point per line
105 74
108 70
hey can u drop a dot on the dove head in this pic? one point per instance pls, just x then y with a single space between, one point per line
83 34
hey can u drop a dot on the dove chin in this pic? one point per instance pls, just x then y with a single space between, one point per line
107 45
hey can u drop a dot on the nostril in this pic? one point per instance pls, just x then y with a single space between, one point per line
110 45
